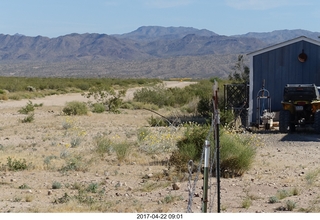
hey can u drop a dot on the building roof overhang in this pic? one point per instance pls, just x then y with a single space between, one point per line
285 43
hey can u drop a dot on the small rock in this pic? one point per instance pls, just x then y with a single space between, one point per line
49 192
119 184
176 186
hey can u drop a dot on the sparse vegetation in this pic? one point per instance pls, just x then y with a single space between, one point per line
88 155
27 109
56 185
290 205
14 164
75 108
103 145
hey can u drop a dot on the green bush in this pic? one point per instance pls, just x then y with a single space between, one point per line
56 185
75 108
161 96
93 188
28 119
27 109
122 150
273 199
190 146
142 133
75 163
98 108
290 205
157 122
103 145
16 165
107 96
236 152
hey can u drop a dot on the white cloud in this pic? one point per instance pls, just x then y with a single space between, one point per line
167 3
262 4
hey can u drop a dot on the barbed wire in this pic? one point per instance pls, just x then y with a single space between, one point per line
191 187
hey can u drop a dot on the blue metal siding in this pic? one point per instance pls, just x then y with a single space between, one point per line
281 66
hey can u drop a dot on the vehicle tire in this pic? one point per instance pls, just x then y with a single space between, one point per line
285 121
316 123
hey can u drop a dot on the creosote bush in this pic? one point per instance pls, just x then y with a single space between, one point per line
27 109
75 108
236 152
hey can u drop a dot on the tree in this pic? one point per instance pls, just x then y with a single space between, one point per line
240 71
108 97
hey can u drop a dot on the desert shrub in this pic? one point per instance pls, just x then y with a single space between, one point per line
103 145
312 175
75 108
56 185
64 199
75 163
281 194
17 165
161 96
236 152
3 95
227 118
204 106
142 133
172 198
28 119
157 122
93 188
98 108
190 146
273 199
122 150
158 141
47 160
107 96
246 203
290 205
27 109
75 142
192 106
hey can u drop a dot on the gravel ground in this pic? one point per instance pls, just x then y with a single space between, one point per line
286 167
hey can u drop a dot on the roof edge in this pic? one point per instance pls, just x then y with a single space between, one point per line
285 43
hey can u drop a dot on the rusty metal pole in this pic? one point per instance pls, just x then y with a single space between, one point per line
217 117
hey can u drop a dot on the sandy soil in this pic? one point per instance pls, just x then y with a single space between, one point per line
287 164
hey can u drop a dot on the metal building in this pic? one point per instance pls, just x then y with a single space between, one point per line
294 61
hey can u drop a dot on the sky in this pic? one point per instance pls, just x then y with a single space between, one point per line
54 18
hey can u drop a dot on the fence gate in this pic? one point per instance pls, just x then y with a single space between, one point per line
236 98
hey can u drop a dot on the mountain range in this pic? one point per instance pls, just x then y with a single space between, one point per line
148 52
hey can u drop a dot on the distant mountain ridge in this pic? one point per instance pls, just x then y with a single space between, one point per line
135 54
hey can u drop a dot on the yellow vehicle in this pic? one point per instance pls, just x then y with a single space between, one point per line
300 107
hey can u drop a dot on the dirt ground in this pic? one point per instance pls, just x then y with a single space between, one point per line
286 164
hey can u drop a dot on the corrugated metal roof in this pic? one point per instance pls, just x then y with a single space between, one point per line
285 43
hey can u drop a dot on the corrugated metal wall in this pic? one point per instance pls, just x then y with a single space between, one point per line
281 66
